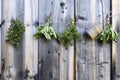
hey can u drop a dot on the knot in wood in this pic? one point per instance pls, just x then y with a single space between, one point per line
36 23
31 75
2 23
62 4
9 73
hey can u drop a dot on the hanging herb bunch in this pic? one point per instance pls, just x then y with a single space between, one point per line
109 34
15 33
68 36
46 31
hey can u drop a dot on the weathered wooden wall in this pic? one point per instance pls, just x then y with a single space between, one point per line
40 60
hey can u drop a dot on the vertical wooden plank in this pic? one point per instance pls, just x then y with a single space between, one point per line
99 17
92 57
0 40
71 63
56 61
104 51
48 50
66 63
85 50
20 9
35 19
7 50
17 13
66 54
28 39
116 46
31 44
13 16
90 45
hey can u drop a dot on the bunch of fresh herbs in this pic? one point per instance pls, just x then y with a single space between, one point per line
109 34
68 36
45 31
15 33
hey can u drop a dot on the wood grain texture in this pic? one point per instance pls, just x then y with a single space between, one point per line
31 44
85 50
48 50
66 54
66 63
50 60
8 50
116 46
35 18
92 57
104 51
18 9
55 61
0 38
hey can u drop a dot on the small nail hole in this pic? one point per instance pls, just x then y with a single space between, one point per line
62 4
